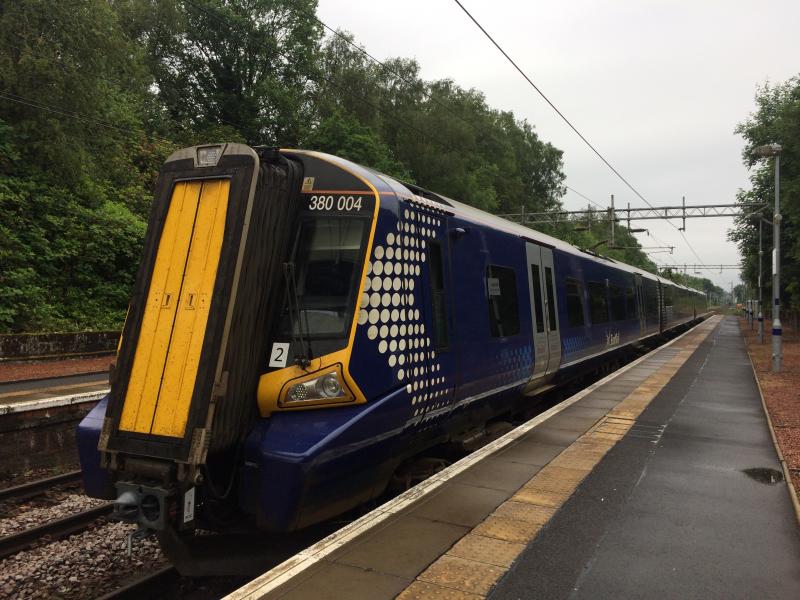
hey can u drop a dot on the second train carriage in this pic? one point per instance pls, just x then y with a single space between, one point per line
301 325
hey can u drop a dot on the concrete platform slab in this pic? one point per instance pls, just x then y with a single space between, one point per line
497 473
460 504
531 453
332 581
405 547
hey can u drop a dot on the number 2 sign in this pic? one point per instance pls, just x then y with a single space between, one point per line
279 354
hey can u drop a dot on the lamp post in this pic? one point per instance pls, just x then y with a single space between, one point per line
777 351
760 288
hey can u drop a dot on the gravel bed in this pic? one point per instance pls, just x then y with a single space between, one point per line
780 389
70 504
85 565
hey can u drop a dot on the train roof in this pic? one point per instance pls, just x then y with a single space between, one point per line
420 195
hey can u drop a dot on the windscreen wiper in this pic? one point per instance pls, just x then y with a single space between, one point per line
292 299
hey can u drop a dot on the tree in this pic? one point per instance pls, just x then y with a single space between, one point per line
94 94
75 165
776 119
236 69
448 138
343 135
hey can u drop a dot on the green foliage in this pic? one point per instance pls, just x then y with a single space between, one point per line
68 256
242 64
94 94
344 135
776 120
76 165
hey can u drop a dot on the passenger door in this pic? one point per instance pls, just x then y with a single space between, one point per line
544 310
637 279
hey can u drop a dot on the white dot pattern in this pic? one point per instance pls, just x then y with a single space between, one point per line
390 308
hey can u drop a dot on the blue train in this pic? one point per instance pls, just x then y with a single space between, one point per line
301 326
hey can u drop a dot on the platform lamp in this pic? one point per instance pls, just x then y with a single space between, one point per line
777 350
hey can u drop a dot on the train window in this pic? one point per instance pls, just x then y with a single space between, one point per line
598 305
537 298
630 302
551 300
617 303
574 299
438 297
667 295
651 300
501 291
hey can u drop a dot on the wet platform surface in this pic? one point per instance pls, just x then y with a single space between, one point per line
636 489
692 506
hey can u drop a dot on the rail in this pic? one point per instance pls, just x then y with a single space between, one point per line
60 528
39 487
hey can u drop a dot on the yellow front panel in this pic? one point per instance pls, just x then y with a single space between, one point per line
174 322
190 323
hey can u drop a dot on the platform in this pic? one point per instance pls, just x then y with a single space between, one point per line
652 482
51 392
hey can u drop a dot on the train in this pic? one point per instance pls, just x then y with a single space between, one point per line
301 326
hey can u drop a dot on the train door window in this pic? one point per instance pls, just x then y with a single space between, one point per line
651 300
537 298
574 299
667 295
598 304
551 299
630 303
617 303
438 297
501 292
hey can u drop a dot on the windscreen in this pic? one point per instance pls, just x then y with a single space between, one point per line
327 265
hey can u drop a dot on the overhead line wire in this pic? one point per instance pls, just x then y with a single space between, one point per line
6 95
568 122
584 197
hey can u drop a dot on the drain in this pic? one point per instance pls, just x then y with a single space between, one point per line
764 475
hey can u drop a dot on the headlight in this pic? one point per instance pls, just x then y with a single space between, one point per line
208 156
321 388
329 386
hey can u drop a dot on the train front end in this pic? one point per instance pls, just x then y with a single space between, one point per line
245 304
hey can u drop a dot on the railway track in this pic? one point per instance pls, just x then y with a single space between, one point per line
54 530
32 489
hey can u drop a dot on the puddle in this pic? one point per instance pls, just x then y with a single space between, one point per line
764 475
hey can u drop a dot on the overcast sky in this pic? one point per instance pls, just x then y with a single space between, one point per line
657 86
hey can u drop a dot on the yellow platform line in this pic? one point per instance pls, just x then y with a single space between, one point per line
471 567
